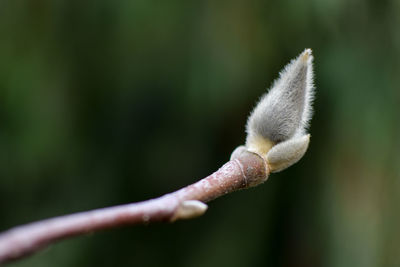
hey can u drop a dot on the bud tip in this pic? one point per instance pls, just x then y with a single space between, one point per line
306 55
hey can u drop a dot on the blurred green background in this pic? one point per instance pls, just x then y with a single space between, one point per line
109 102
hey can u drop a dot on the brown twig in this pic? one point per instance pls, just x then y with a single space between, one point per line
247 170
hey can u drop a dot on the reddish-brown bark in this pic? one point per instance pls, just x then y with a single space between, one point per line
246 171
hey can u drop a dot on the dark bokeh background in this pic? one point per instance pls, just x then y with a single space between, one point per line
108 102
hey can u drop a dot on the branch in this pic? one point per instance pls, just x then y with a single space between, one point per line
276 134
247 170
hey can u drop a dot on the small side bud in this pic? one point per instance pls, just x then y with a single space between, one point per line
189 209
287 153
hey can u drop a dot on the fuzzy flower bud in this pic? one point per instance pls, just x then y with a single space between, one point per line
276 129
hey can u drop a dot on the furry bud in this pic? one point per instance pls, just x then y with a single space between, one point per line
286 108
276 129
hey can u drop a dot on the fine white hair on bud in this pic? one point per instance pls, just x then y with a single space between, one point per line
276 129
286 108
